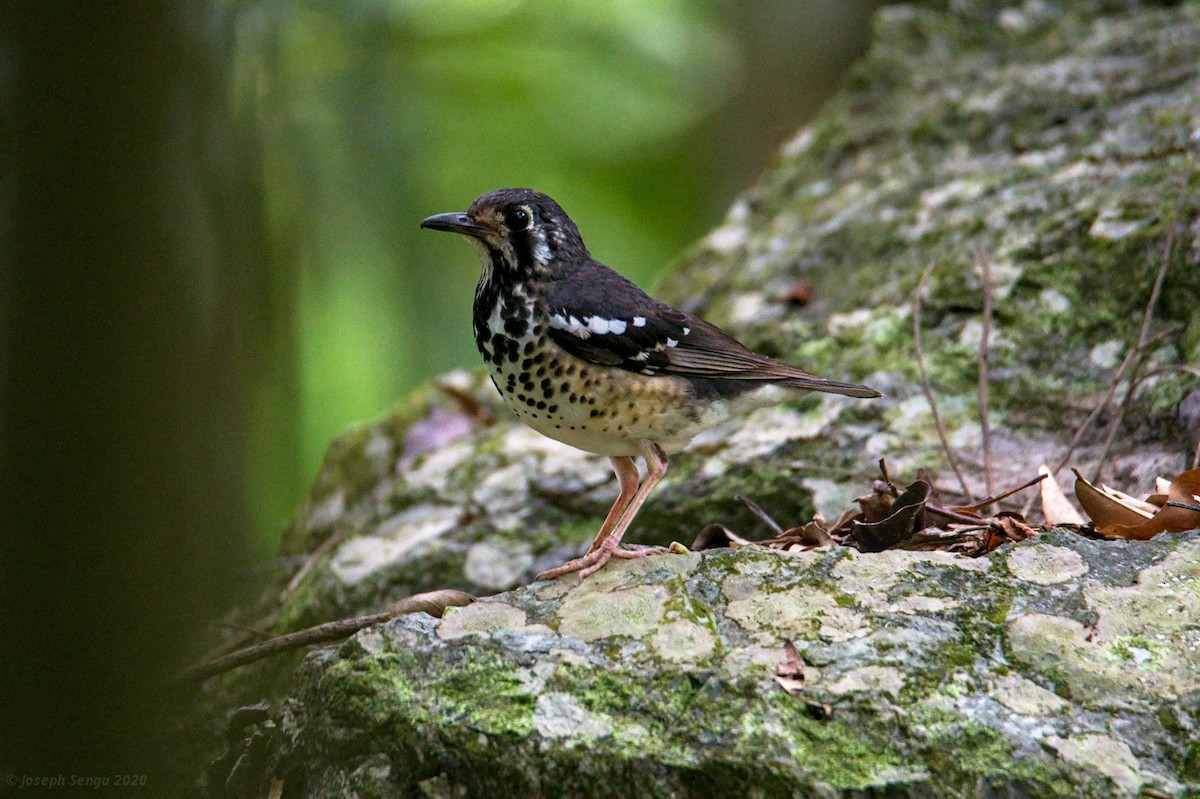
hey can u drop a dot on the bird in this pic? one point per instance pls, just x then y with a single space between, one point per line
584 356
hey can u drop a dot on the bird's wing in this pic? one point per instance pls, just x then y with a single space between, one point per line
599 316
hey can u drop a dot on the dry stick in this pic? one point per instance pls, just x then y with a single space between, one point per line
760 513
992 500
1133 386
1102 406
433 603
1143 341
1107 399
310 561
918 296
985 265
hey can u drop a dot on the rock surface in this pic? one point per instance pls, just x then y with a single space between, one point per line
1061 139
1058 667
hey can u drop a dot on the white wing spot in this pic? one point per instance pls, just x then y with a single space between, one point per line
672 342
570 324
598 325
496 319
687 330
616 326
639 321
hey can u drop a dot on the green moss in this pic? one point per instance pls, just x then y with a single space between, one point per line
678 711
966 753
1190 769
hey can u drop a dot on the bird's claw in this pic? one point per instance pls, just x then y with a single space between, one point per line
592 561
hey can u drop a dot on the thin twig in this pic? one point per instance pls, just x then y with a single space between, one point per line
432 602
760 513
883 471
1143 341
1103 405
918 297
983 503
950 515
309 562
1106 400
985 266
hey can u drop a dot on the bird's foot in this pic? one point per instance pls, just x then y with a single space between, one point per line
593 560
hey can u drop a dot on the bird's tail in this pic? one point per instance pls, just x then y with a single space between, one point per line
830 387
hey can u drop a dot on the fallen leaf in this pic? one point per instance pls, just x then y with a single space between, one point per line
877 505
907 516
432 602
717 536
1108 507
1013 526
790 673
1184 489
813 534
1056 508
818 710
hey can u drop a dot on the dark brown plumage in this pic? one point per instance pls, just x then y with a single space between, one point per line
584 356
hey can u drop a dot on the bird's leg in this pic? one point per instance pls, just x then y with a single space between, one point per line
627 474
609 545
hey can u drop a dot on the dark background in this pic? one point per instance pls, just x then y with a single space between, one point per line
210 263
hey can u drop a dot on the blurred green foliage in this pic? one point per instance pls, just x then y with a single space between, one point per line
640 118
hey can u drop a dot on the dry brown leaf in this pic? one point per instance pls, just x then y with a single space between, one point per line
717 536
908 516
1170 519
877 505
432 602
818 710
1056 508
1108 507
1013 525
813 534
790 673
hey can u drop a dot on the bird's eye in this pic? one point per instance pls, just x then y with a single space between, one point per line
518 218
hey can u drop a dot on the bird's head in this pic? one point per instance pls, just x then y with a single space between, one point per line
517 232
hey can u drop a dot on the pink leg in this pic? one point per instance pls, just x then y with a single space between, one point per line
627 474
608 545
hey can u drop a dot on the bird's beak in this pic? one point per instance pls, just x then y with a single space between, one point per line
455 223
